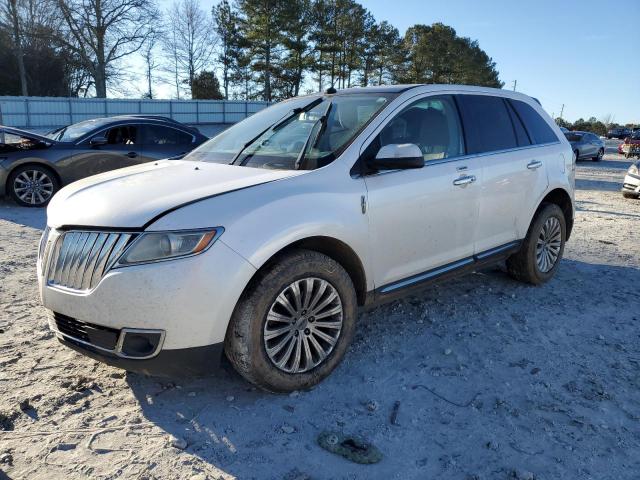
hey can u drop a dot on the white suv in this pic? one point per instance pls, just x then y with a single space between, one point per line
264 241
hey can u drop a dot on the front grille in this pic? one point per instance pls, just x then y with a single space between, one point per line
79 259
103 337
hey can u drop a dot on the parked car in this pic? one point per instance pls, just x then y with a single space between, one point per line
586 145
619 133
630 144
263 242
33 167
631 185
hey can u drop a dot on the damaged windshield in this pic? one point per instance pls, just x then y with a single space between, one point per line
299 134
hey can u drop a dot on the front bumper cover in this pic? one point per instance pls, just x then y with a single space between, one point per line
184 362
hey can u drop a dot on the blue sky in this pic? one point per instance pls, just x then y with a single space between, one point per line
583 54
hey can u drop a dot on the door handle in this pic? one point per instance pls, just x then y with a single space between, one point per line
464 180
132 154
533 164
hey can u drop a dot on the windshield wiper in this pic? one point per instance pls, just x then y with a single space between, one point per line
275 126
313 138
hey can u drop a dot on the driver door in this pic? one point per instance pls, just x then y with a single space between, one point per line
422 222
121 150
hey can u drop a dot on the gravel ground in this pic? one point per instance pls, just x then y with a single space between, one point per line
494 379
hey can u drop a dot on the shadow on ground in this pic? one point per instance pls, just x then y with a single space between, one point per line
29 217
487 383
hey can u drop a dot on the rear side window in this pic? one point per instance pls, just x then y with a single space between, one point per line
159 135
487 124
539 130
521 134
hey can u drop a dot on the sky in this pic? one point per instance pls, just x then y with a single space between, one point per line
580 54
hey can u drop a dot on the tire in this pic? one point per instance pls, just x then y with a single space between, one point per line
32 185
630 195
525 265
252 321
599 155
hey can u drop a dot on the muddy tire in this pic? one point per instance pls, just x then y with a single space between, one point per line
539 256
294 322
630 195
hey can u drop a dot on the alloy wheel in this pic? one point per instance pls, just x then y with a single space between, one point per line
303 325
548 244
34 187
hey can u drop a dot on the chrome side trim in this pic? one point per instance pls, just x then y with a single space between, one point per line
427 275
493 251
431 274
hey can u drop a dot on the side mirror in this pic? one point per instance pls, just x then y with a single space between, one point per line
398 156
98 141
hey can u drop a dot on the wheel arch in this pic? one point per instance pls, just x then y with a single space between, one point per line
334 249
560 197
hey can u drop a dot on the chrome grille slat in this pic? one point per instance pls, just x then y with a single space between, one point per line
85 283
102 258
79 259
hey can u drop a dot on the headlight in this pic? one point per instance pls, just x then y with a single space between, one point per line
158 246
633 169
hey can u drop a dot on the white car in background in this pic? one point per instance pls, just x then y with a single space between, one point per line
631 184
263 242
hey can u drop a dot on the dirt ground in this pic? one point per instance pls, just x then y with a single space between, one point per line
494 379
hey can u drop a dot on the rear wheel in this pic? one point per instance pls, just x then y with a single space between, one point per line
294 323
599 155
537 260
32 185
630 195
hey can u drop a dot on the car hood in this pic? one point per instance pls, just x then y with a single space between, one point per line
133 197
25 133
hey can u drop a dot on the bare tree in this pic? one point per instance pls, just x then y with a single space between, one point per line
102 32
10 19
150 60
190 42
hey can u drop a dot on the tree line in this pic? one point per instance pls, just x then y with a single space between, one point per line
593 125
241 49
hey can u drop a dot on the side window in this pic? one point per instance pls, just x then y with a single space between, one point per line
159 135
431 123
487 124
539 130
521 134
122 135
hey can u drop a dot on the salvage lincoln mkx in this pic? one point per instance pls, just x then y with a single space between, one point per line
263 242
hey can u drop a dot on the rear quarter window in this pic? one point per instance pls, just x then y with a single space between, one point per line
487 124
538 129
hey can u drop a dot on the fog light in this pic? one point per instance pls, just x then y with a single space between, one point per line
140 343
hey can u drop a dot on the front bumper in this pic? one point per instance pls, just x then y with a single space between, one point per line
180 363
631 183
189 300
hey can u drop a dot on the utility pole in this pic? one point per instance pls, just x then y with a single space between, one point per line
561 110
515 82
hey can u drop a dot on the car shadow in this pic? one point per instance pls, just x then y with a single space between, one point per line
29 217
485 324
590 184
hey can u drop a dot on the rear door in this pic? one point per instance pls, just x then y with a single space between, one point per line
159 141
512 170
121 150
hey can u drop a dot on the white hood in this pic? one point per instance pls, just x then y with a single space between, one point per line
131 197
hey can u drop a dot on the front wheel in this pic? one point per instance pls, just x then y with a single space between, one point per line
599 155
32 185
294 323
537 260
